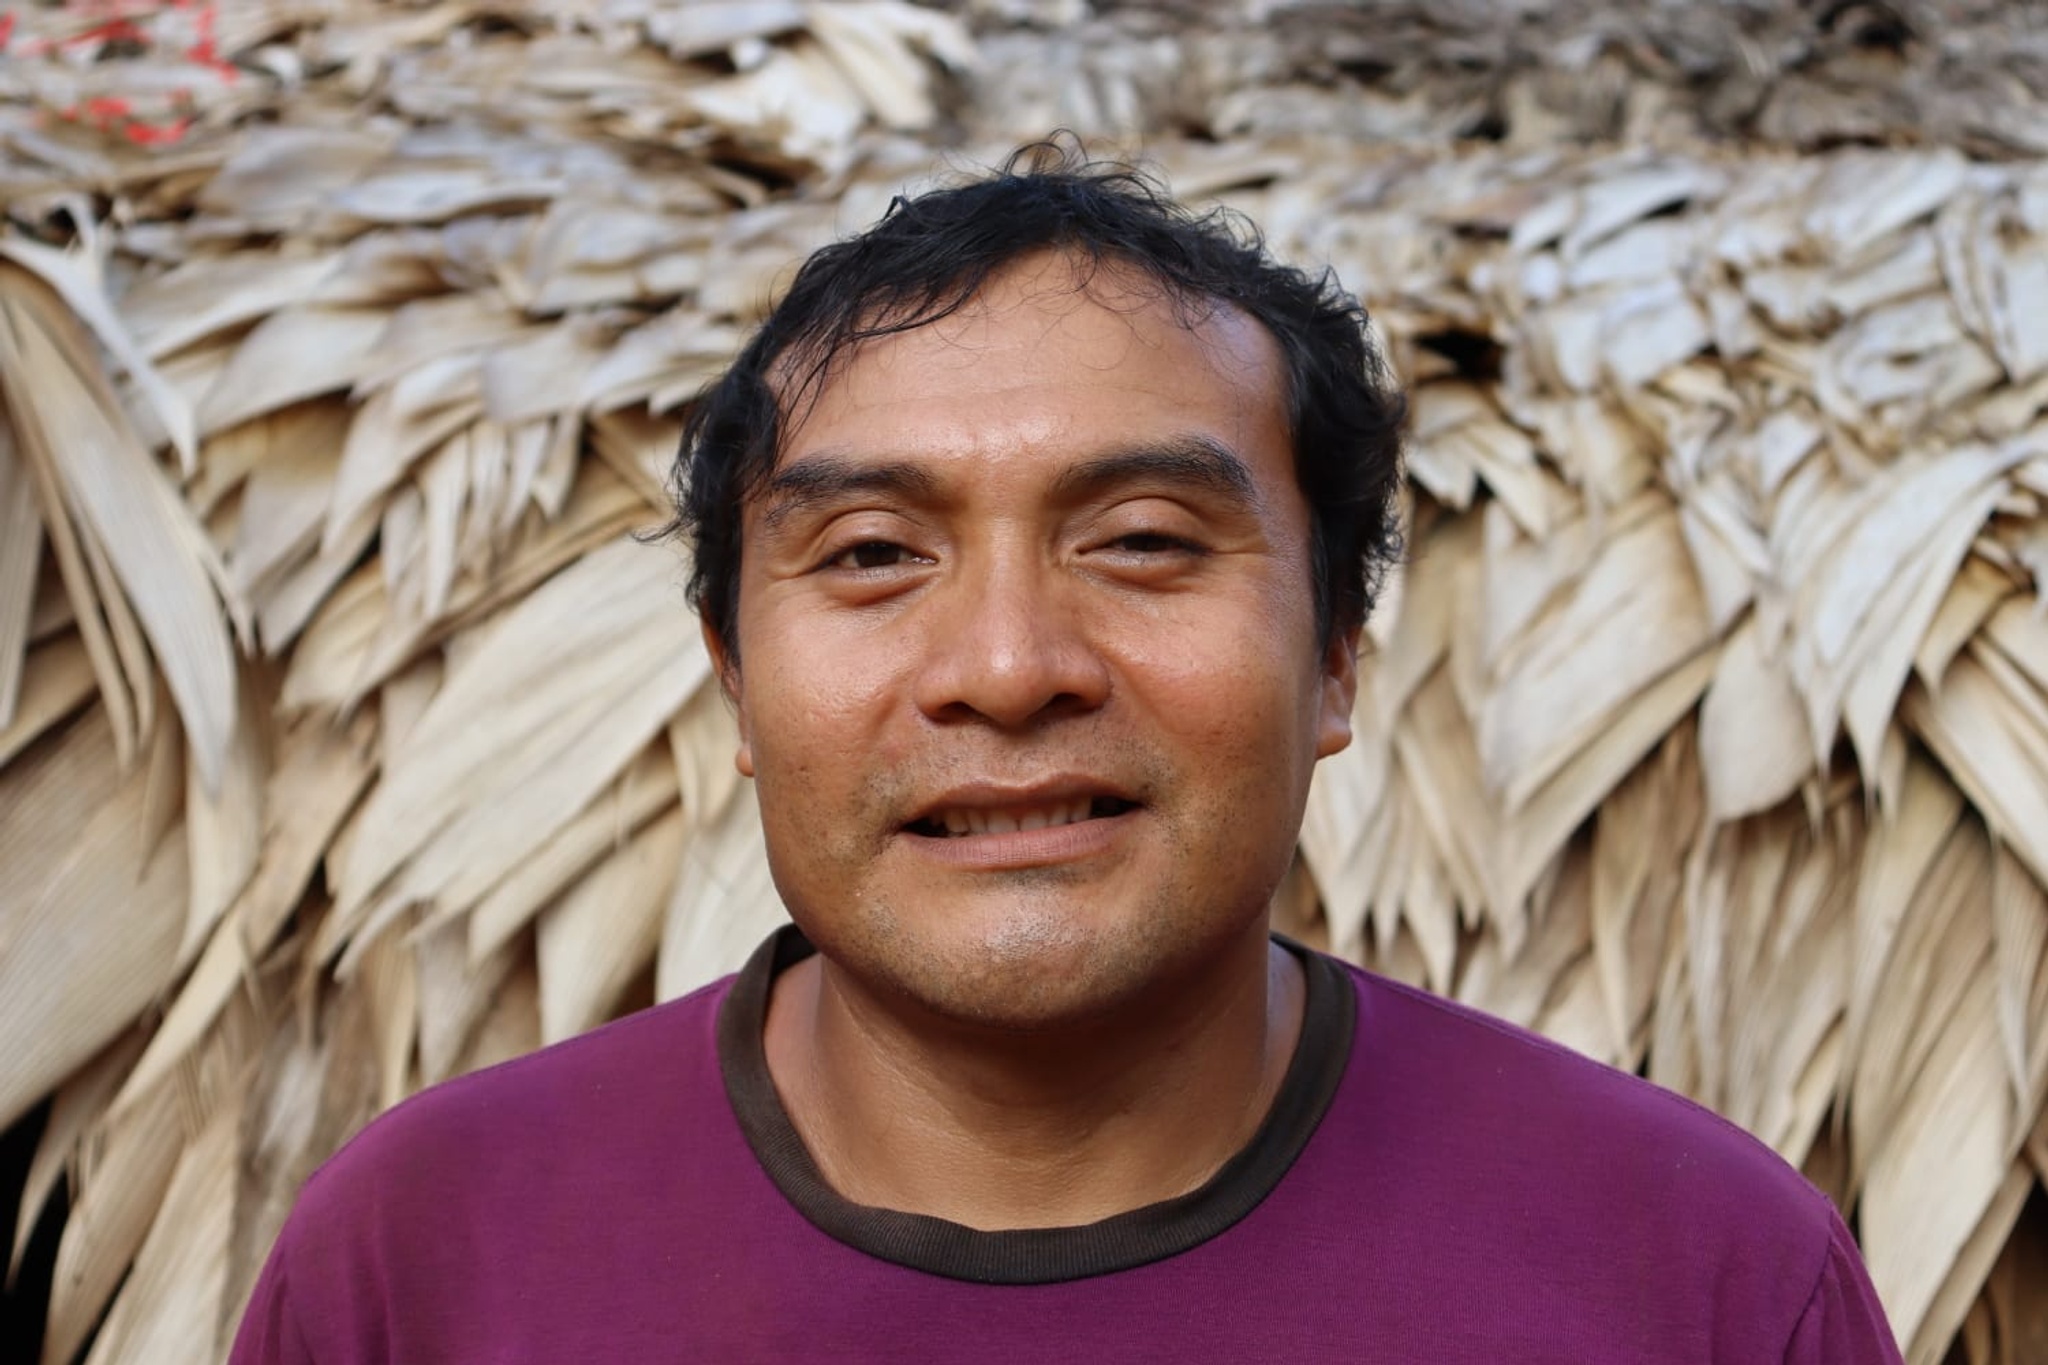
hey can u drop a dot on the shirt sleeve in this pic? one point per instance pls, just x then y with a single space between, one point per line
270 1334
1843 1323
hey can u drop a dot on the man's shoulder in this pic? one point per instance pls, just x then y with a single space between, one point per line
1504 1109
1562 1194
450 1216
523 1120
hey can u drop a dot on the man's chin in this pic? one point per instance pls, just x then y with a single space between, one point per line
1021 974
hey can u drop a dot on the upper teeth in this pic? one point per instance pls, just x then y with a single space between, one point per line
979 821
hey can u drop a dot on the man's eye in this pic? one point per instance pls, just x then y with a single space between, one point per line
870 554
1155 543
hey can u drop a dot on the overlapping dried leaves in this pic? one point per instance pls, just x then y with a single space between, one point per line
351 742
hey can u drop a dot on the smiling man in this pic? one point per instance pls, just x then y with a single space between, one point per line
1033 536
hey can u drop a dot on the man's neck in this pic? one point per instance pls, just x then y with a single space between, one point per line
995 1130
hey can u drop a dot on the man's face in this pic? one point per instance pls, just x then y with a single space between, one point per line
1032 687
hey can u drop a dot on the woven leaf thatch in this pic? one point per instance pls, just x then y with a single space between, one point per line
348 740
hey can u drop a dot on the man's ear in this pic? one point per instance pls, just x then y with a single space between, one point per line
1339 692
727 667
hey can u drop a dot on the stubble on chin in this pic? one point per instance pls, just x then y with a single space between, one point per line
1029 960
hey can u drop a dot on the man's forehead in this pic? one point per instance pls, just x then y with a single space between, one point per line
1050 319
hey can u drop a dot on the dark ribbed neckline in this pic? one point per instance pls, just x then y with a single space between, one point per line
1033 1255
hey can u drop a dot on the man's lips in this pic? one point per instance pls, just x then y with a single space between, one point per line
963 820
1012 836
983 810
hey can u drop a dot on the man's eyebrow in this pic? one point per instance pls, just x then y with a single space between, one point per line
1201 461
817 480
1193 459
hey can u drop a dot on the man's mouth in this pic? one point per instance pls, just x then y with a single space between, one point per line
954 822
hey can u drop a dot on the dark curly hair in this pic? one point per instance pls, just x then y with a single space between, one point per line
931 255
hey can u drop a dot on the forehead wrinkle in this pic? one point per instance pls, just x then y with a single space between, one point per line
827 477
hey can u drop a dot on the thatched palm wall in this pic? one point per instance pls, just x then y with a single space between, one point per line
349 741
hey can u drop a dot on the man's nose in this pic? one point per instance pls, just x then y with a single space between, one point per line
1009 645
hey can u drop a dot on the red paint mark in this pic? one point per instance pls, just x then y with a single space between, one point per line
113 31
116 22
157 134
206 51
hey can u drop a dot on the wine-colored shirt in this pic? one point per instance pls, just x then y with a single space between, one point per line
1431 1185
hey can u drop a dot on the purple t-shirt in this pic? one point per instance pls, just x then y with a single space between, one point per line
1431 1186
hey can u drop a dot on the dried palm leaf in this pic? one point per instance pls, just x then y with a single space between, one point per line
171 1308
91 909
603 933
128 515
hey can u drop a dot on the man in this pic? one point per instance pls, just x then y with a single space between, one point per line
1033 536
